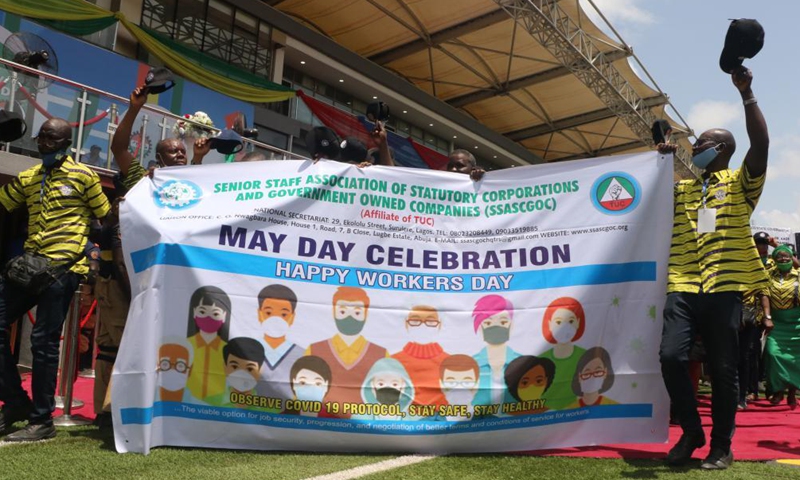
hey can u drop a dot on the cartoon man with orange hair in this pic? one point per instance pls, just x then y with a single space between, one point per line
348 353
562 325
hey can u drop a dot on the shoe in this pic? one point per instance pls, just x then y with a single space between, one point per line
791 400
718 459
776 399
11 415
742 406
33 433
103 421
682 451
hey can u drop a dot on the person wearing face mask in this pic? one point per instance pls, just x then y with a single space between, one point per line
310 380
458 380
422 356
276 312
174 364
712 262
207 332
387 383
528 378
170 152
492 317
62 197
782 325
244 358
593 377
348 353
563 324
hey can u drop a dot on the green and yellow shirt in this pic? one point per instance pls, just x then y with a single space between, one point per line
725 260
61 203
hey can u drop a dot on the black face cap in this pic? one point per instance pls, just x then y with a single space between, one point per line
12 126
323 142
659 130
159 80
744 40
761 238
227 142
377 111
352 150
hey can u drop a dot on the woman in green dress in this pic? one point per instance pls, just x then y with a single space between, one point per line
782 324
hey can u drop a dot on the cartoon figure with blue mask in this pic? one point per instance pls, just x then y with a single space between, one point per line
310 379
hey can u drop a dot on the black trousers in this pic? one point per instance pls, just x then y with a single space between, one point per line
749 358
716 317
52 308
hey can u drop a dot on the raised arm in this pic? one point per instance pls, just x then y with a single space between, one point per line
379 136
756 158
119 145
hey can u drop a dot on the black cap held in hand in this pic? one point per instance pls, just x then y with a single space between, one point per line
227 142
659 130
12 126
745 39
159 80
323 142
353 151
761 238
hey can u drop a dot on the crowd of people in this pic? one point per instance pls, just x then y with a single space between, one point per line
724 288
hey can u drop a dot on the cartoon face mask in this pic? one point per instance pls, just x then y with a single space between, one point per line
564 325
241 381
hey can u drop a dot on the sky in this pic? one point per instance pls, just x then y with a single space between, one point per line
679 42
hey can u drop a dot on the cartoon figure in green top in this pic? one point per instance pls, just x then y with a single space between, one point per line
243 358
563 324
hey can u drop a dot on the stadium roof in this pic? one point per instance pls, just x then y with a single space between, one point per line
539 72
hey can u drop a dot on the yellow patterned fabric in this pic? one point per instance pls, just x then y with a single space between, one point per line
725 260
783 291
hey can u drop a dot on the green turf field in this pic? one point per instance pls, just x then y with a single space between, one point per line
85 453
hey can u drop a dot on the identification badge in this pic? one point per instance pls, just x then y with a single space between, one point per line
706 220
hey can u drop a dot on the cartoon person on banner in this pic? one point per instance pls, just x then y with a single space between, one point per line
310 380
348 353
493 316
387 383
458 380
563 324
207 332
422 356
527 379
276 311
175 357
244 359
593 377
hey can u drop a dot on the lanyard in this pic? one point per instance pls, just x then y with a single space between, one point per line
705 189
41 188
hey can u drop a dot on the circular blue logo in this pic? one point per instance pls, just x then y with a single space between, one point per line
177 194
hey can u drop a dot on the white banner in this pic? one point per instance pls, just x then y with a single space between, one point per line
781 235
296 306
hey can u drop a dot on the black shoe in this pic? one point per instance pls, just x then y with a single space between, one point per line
718 459
103 420
12 415
682 451
33 433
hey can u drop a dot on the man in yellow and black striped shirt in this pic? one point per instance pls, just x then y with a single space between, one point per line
62 196
713 260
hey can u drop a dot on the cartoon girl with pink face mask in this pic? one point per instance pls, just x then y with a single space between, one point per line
207 332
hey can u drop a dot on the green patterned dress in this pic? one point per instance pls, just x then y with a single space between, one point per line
783 342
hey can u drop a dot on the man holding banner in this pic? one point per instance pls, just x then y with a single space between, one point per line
712 261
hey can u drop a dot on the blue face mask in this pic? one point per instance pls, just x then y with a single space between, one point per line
50 159
310 393
704 158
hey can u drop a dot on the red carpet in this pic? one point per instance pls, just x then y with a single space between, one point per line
763 432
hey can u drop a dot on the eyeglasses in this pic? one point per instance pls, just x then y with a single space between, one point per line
429 322
596 374
457 384
180 366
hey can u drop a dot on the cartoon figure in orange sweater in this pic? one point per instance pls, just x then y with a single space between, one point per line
422 356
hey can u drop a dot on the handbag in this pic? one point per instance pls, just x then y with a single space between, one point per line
34 273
